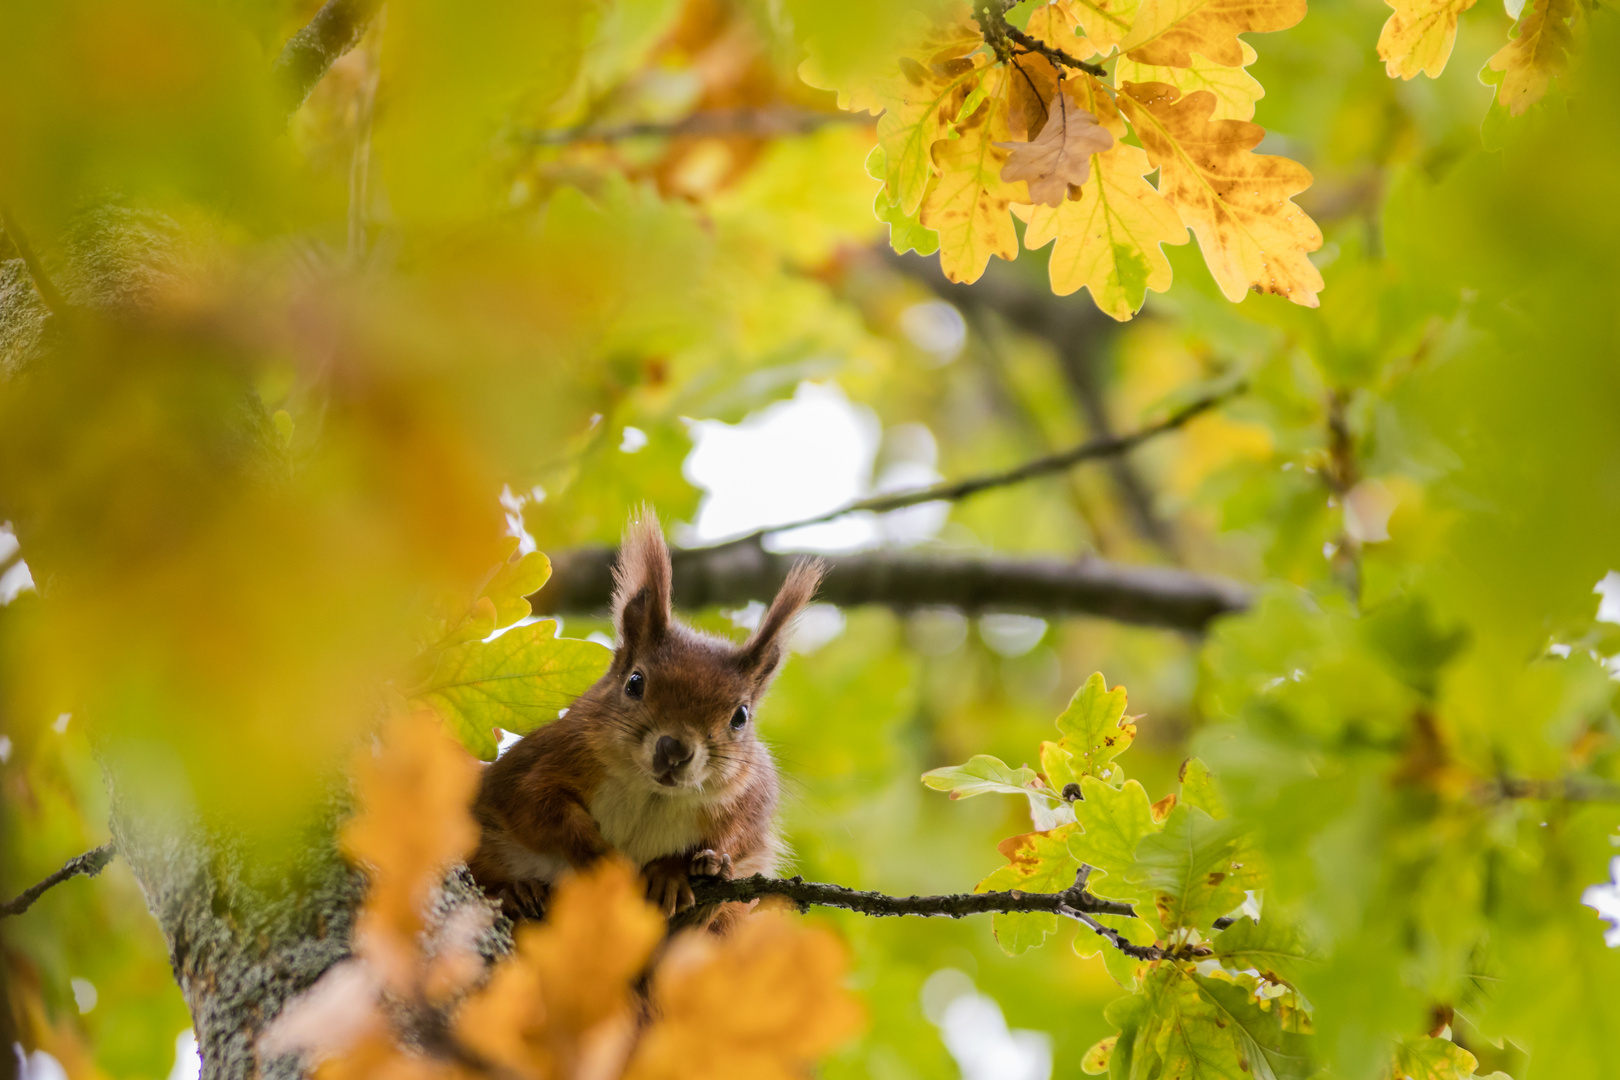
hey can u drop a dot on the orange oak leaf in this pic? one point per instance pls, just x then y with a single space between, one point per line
761 1004
1168 32
1238 203
1419 35
1033 84
1537 54
413 823
1060 156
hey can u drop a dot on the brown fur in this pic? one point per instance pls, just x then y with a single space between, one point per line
595 781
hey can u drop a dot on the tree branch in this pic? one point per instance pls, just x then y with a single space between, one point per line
808 894
954 491
752 122
1569 789
582 583
998 32
36 269
310 53
89 864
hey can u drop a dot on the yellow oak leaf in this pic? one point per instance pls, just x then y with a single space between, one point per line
969 205
1168 32
1108 240
561 1004
1234 88
1058 24
920 112
1419 36
762 1003
414 821
1537 54
1032 85
1106 22
1060 156
1238 203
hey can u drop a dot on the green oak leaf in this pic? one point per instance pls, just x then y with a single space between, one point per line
1433 1059
1036 862
1270 946
1094 728
1058 765
1198 788
1129 1014
982 774
1188 866
513 584
1114 821
518 682
1263 1049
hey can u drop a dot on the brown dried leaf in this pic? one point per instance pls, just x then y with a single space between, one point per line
1537 54
1238 203
413 823
1419 36
1060 156
1168 32
1034 82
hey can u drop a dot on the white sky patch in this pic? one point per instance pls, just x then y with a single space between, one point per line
1011 635
816 625
936 328
1605 900
802 457
976 1033
17 578
1609 590
513 503
187 1058
37 1066
84 994
632 440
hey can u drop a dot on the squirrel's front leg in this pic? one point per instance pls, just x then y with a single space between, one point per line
669 884
559 825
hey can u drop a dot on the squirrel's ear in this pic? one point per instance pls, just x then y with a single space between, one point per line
763 650
641 583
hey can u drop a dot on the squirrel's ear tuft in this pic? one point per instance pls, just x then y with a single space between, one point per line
763 650
641 583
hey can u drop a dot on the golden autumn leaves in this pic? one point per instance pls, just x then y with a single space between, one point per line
1420 34
763 1003
970 137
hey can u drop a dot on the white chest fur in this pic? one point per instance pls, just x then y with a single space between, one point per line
645 825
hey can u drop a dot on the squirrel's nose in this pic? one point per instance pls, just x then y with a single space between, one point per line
670 753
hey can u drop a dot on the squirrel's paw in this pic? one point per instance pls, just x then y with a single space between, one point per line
711 863
667 884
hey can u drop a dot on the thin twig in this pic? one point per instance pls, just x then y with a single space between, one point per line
310 53
1570 789
956 490
360 161
36 269
998 32
89 864
752 122
1114 937
807 894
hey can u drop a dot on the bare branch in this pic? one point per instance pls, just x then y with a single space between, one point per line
1567 789
310 53
808 894
1001 35
582 583
1105 447
89 864
751 122
36 269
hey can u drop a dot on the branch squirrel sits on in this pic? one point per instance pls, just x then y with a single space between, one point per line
659 761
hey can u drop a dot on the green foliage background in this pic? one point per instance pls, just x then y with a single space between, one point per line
217 627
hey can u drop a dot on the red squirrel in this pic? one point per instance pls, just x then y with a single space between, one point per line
659 761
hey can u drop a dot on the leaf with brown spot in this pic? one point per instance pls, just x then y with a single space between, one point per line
1168 32
1238 203
1060 157
1537 54
969 206
1419 35
919 114
1033 84
1234 88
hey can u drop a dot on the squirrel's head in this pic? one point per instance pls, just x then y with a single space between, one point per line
679 703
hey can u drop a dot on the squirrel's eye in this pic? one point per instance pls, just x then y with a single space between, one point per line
739 718
636 686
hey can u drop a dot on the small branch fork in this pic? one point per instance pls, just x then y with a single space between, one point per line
89 864
1001 36
956 490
